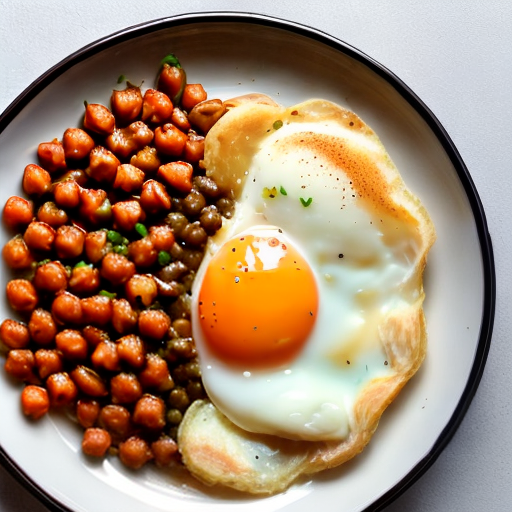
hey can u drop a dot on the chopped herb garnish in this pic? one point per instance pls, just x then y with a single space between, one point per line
114 237
269 193
277 124
306 202
172 60
283 191
121 79
81 264
164 258
121 249
108 294
141 229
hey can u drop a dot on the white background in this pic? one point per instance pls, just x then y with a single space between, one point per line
457 57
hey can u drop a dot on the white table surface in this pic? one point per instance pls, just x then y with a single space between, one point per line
457 56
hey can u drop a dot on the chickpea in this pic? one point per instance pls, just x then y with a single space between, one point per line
94 335
61 389
51 277
154 198
16 254
149 412
103 165
194 148
129 178
96 442
99 119
177 174
124 318
141 288
205 114
156 107
71 344
96 310
126 105
22 295
162 237
67 194
126 141
95 206
142 252
69 242
20 364
135 452
77 175
52 215
105 356
34 401
77 144
36 180
95 245
153 323
131 350
84 280
116 419
155 374
42 327
172 80
48 361
125 388
192 95
67 308
17 212
87 412
126 214
146 159
14 334
116 268
170 140
89 382
180 120
39 236
51 156
165 451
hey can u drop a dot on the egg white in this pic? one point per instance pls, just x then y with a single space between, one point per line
360 261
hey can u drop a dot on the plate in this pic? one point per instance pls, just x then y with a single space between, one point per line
233 54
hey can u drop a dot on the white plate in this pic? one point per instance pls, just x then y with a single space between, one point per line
232 54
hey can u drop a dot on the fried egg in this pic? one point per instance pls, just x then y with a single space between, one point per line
291 296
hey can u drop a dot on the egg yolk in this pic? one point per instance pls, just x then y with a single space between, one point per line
258 301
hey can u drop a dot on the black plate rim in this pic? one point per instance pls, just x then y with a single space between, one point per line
421 108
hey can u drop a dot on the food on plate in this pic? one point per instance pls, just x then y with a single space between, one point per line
307 308
103 251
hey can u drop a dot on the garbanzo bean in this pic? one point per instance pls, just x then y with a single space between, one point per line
129 178
87 412
34 401
52 215
153 323
154 197
117 420
39 236
149 412
194 148
99 119
69 242
156 107
192 95
146 159
177 175
67 194
71 344
162 237
36 180
96 310
84 280
125 388
42 327
48 361
141 289
51 277
172 80
155 374
67 308
17 212
124 142
94 335
180 120
89 382
14 334
124 317
61 389
16 254
95 207
96 442
142 252
135 452
131 351
170 140
22 295
95 245
126 104
126 214
116 268
205 114
105 356
77 144
165 451
103 165
20 364
51 156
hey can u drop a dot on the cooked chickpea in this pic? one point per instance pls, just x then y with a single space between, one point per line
34 401
69 242
177 174
17 212
131 350
153 323
194 148
94 335
172 80
117 420
149 412
52 215
170 140
141 288
154 198
105 356
77 175
116 268
155 374
61 389
14 334
39 236
125 388
125 141
205 114
135 452
179 119
165 451
77 143
87 412
192 95
103 165
67 194
51 277
129 178
146 159
126 214
42 327
36 180
51 156
95 206
142 252
48 361
89 382
126 105
95 245
96 310
162 237
124 317
99 119
20 364
96 442
156 107
84 280
16 254
67 308
22 295
71 344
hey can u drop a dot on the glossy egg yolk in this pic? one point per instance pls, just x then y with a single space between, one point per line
258 301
